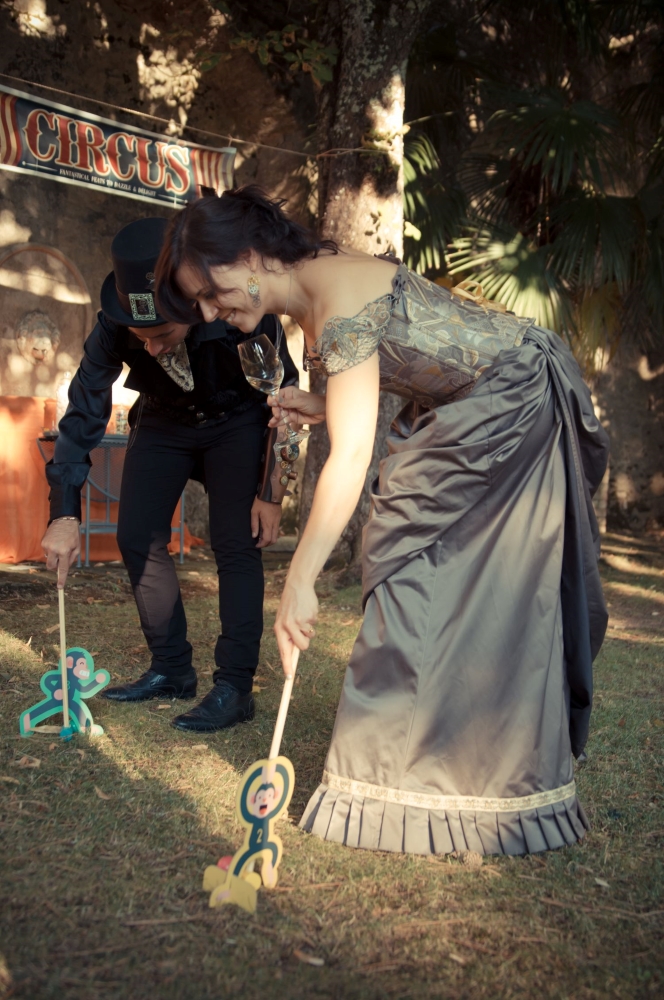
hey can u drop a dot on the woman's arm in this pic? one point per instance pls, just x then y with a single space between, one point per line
352 412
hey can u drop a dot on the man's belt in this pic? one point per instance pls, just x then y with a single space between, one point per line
193 415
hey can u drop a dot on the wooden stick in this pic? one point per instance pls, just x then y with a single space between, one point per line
63 658
283 707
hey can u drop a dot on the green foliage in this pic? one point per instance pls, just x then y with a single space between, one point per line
432 214
513 271
548 129
542 129
291 46
287 47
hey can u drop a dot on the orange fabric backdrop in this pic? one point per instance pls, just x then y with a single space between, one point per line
24 490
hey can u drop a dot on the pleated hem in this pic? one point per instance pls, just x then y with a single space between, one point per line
386 826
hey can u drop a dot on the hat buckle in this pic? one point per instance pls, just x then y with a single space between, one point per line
142 306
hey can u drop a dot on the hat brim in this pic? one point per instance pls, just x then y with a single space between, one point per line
111 307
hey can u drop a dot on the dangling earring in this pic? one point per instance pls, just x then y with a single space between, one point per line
254 288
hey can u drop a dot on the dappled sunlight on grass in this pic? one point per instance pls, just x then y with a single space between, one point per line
626 565
633 590
108 838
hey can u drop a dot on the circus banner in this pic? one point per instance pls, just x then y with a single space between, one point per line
45 139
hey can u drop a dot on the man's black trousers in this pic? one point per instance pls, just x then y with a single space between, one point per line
160 459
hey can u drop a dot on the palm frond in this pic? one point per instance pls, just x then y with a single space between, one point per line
515 272
432 213
565 140
596 241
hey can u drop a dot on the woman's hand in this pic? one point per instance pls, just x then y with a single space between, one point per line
296 407
294 626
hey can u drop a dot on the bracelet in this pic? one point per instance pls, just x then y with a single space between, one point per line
68 517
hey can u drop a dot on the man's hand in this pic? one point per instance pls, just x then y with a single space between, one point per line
62 546
265 518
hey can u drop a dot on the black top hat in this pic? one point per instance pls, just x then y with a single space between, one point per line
127 295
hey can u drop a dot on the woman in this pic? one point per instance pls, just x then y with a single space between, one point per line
469 687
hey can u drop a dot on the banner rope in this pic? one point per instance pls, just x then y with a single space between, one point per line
227 138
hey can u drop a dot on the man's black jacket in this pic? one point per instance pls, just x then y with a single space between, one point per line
220 389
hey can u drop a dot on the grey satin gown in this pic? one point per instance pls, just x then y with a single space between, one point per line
470 683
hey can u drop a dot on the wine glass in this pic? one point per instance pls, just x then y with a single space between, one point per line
261 364
263 368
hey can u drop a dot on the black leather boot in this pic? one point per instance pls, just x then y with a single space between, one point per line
154 685
221 707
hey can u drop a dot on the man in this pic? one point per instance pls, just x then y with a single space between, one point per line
196 417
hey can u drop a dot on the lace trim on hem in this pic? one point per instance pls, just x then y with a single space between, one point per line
444 802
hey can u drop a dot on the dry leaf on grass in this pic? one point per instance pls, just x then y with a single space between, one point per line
303 956
35 802
349 622
81 753
381 967
27 761
603 883
457 958
44 607
52 628
8 780
199 746
102 795
159 707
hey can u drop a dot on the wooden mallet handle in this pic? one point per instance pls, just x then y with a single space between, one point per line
63 658
283 707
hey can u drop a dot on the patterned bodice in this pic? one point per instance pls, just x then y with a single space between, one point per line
433 346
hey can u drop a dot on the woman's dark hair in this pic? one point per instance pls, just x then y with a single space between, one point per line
214 231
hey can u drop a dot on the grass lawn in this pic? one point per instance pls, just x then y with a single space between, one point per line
104 841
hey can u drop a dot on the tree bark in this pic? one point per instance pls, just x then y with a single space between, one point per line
360 193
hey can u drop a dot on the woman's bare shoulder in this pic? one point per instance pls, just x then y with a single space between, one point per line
343 284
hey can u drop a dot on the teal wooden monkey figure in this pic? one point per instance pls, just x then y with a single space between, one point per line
83 682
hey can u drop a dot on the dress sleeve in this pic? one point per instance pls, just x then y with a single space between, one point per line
347 342
83 425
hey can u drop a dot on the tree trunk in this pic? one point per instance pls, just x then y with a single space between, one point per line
360 194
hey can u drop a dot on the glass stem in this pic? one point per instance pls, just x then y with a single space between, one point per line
289 430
